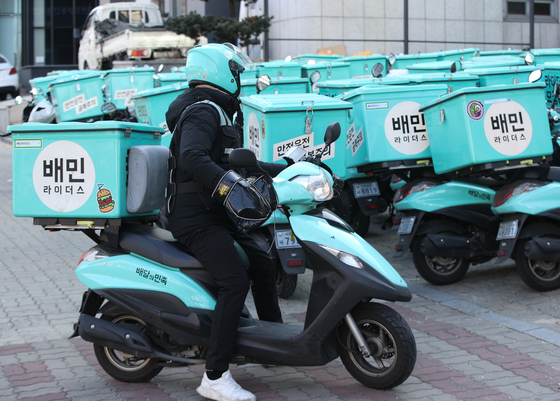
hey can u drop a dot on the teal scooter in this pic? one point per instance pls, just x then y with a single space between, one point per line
149 303
530 230
446 224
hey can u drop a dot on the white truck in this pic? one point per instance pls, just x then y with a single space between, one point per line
128 31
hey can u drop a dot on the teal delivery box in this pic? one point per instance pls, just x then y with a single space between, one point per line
316 58
279 68
453 81
169 78
74 170
277 85
326 71
275 123
387 128
152 104
122 83
40 86
77 97
551 75
337 87
502 75
360 66
476 126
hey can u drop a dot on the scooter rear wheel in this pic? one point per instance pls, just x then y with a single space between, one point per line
540 275
390 340
438 270
122 366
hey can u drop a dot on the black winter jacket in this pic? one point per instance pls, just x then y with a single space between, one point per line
199 145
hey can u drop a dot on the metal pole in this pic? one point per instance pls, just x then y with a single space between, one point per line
266 41
532 24
405 17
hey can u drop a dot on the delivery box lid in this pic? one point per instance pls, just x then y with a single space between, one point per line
476 90
294 102
179 86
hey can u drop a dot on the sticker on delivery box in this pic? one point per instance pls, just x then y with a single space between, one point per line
508 127
254 135
405 128
305 142
63 176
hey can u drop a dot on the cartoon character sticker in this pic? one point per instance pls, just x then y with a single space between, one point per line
104 199
475 110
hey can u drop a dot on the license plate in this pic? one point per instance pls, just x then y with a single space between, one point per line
508 230
363 189
285 239
406 225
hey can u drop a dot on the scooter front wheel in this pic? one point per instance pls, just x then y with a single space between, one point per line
540 275
286 283
122 366
390 341
438 270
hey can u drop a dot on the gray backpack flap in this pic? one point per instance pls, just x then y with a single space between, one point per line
147 178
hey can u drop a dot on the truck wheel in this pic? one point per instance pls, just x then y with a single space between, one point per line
540 275
285 283
438 270
122 366
390 341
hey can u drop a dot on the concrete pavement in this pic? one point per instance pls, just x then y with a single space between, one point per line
488 337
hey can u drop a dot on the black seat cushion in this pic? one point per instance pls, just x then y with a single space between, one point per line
158 245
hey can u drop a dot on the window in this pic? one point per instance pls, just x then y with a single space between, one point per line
518 10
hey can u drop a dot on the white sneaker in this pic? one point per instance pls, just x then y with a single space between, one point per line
224 389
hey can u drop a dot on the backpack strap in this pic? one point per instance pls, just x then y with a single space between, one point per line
187 187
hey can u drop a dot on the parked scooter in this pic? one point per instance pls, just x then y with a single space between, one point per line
448 225
448 221
530 230
155 300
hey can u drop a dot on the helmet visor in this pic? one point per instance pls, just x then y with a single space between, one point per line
243 61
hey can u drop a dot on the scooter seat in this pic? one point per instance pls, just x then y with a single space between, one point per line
158 245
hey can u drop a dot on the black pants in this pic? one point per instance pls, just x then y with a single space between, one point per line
214 247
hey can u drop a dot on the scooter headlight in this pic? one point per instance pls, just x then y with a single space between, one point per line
318 186
345 257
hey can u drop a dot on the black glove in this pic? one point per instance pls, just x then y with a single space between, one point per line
224 186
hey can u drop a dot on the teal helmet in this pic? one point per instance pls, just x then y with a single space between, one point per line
218 65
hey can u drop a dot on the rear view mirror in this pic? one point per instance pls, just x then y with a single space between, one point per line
263 82
288 59
332 133
377 70
315 77
535 76
456 66
391 59
108 108
529 58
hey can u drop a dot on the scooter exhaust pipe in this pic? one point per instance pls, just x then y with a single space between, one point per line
543 249
124 339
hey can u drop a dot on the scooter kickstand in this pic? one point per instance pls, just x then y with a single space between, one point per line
362 345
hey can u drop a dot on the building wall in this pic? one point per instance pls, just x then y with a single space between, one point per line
304 26
10 31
